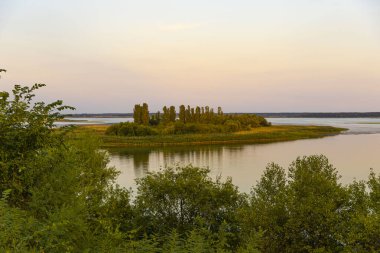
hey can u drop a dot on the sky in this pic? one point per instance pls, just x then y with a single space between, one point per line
244 55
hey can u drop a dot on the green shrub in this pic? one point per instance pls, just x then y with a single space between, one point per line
232 126
177 198
130 129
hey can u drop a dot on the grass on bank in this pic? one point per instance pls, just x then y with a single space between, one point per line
255 135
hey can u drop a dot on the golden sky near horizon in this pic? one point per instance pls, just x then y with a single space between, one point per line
247 56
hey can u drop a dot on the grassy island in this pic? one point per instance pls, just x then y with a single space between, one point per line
254 135
199 126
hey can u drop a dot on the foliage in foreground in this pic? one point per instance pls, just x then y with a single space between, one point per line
58 195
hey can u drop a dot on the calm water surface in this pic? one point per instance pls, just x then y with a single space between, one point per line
91 121
352 153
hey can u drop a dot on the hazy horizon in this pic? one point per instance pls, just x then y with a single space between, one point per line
246 56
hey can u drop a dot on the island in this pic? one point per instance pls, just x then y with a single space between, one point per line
199 126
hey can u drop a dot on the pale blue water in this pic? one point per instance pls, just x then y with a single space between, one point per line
92 121
355 125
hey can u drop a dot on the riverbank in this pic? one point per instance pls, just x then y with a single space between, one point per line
255 135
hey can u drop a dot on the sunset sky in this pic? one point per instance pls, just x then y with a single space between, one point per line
244 55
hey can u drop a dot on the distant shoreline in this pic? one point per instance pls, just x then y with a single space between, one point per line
266 115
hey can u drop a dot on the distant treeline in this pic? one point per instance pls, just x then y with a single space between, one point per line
320 115
266 115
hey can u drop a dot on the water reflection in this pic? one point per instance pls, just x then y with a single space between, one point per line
145 159
142 160
353 155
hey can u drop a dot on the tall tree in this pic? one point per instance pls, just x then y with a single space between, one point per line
188 114
172 114
315 205
212 114
145 114
202 119
182 114
207 114
137 114
220 112
197 114
165 115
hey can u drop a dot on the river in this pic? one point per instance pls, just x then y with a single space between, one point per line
353 153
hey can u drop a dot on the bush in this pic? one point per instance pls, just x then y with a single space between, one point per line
232 126
130 129
52 186
248 121
178 198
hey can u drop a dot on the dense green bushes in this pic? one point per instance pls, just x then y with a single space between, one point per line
179 198
52 186
304 211
130 129
229 125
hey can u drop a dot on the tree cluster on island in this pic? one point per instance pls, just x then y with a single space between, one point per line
187 120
